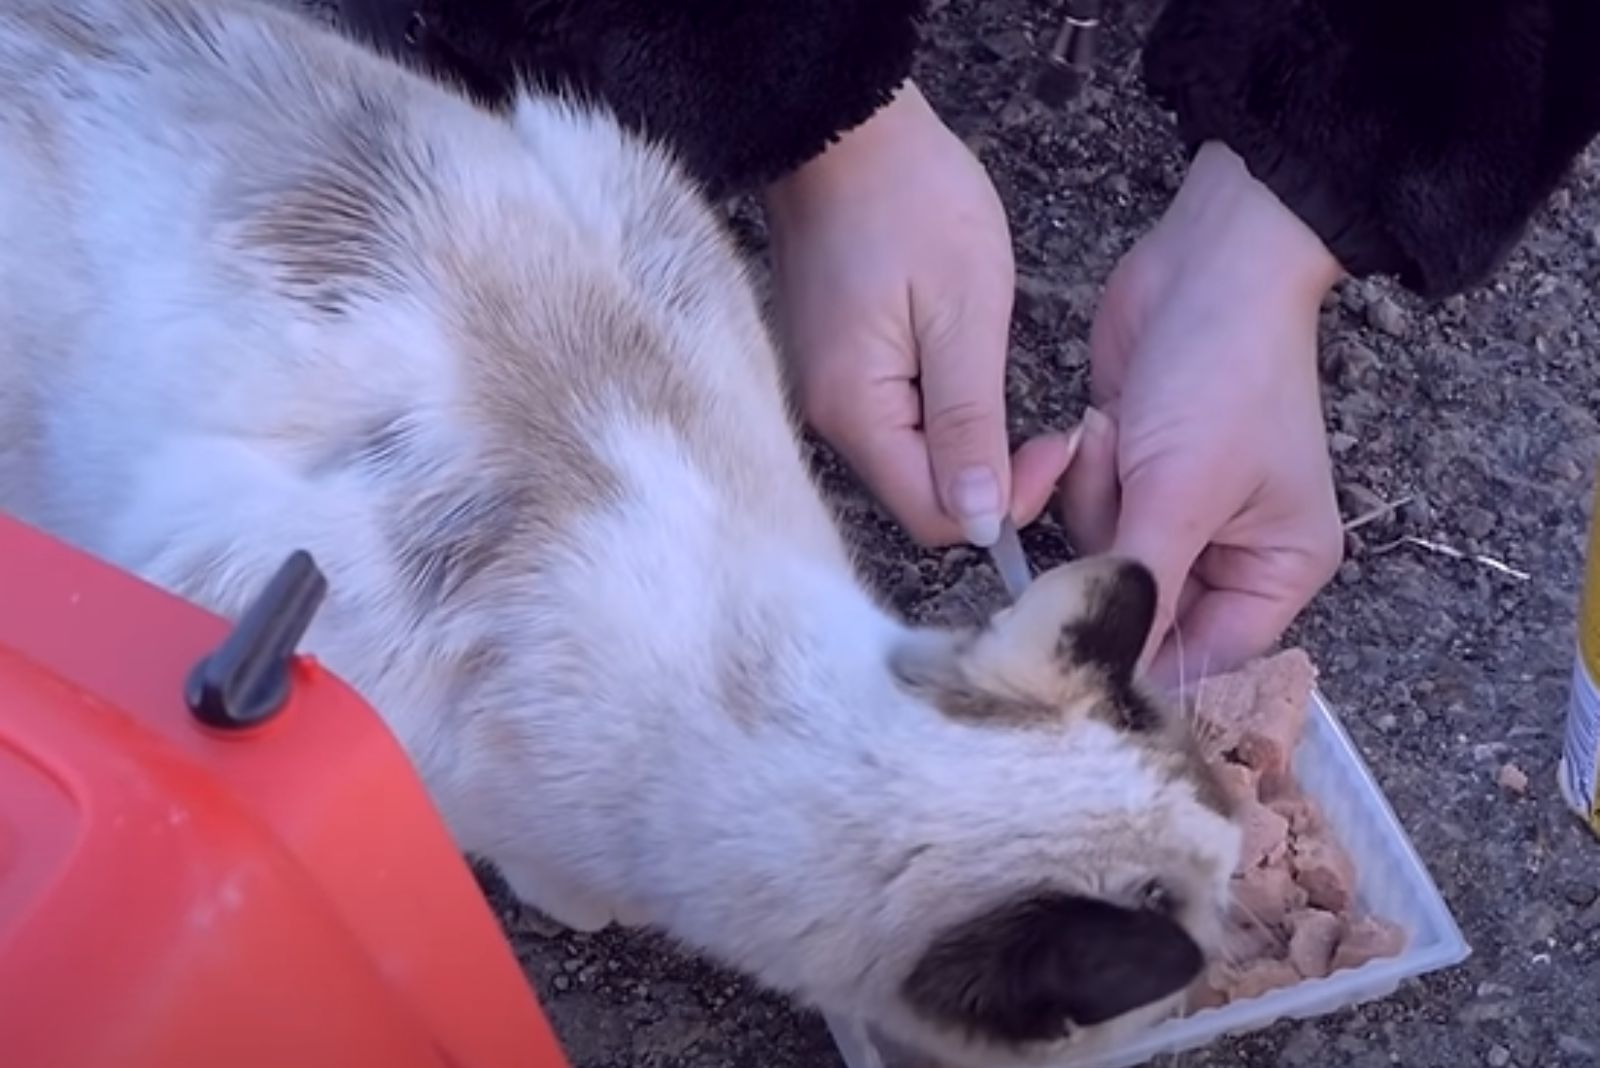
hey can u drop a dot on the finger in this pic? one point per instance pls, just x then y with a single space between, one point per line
962 355
1089 493
1247 601
1036 468
1165 523
1221 631
874 430
893 463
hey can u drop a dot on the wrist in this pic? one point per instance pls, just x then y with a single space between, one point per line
846 166
1225 214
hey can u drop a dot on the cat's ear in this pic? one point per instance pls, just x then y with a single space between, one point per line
1037 969
1095 612
1118 608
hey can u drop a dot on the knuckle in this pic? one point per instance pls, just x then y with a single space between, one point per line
1325 551
960 424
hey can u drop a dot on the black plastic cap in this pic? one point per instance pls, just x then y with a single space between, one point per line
246 681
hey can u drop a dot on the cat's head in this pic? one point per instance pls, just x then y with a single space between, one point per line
1077 878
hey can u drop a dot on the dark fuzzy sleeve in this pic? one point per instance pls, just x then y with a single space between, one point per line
1417 137
743 90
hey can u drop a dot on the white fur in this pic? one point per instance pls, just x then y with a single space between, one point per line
687 716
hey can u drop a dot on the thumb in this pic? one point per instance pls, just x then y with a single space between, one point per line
962 364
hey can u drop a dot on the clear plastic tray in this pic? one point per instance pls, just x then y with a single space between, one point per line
1391 882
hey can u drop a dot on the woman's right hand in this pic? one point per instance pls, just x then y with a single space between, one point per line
1210 462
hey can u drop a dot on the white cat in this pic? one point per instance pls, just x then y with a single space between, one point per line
504 378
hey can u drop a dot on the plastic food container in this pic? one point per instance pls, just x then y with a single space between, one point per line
1391 882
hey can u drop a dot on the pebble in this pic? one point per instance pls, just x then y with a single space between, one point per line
561 982
1358 501
1385 315
1580 894
1349 573
1476 522
1573 1046
1387 723
1499 1057
1346 360
1513 779
1417 512
1008 44
1340 443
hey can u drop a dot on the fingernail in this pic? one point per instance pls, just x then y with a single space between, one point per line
1095 421
975 496
1075 439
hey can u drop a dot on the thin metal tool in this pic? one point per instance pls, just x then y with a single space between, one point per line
1010 559
1070 62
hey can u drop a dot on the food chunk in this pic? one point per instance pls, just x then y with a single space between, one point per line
1367 938
1266 835
1324 871
1314 936
1261 977
1294 914
1268 894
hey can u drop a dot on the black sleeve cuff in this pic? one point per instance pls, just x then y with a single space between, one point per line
743 93
1415 139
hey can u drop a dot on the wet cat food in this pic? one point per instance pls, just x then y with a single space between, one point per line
1295 915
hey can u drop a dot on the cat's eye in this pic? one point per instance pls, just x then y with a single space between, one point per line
1158 897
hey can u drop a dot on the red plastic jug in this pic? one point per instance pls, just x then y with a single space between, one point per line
212 852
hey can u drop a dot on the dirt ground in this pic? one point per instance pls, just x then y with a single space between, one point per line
1482 410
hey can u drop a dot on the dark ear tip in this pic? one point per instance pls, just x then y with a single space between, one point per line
1117 620
1138 583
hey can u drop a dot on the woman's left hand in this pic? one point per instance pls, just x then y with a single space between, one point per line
894 275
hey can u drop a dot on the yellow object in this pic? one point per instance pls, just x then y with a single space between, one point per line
1580 758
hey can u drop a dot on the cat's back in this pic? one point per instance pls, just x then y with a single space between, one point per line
220 216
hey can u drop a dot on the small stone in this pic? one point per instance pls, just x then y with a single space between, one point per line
1349 573
1476 522
1340 443
1499 1057
561 982
1387 723
1358 502
1573 1046
1417 512
1385 315
1513 779
1580 894
1346 360
1008 44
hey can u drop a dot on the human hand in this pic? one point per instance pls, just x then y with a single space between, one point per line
893 270
1212 467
